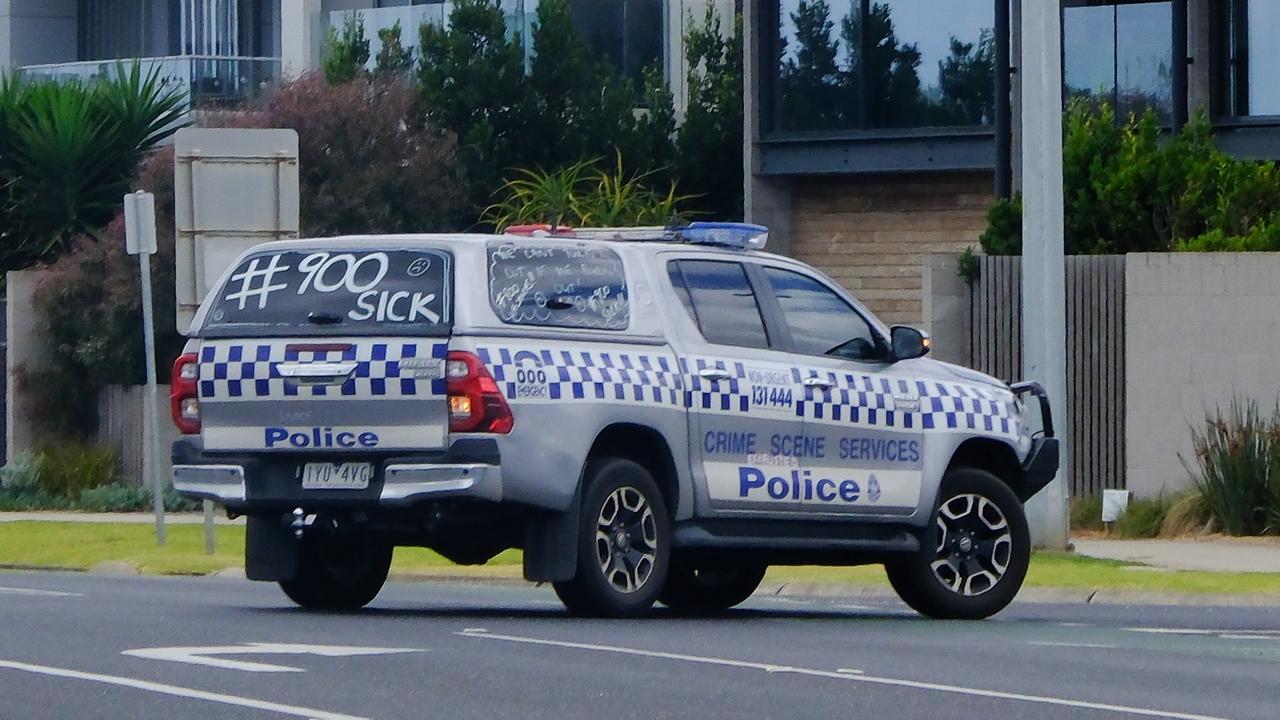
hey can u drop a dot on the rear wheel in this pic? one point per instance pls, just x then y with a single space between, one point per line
624 542
697 588
974 556
339 573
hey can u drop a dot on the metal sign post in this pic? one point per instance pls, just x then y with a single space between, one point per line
1044 304
140 240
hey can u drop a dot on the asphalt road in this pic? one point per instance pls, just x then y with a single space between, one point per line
81 646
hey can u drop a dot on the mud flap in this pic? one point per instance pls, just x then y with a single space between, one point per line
551 544
271 552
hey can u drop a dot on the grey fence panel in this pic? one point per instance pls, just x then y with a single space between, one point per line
1095 356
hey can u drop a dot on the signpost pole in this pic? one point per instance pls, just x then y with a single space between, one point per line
1043 268
140 240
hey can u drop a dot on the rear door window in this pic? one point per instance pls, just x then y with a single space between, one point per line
721 300
386 292
558 285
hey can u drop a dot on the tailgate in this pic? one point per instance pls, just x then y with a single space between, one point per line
328 351
355 394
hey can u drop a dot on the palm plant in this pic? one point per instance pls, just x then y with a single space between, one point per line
583 195
69 152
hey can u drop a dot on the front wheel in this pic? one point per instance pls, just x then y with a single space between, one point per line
624 542
974 556
339 573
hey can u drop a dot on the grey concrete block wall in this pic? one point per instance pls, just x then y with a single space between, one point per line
1202 329
946 300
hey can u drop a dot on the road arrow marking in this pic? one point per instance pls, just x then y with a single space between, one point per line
209 656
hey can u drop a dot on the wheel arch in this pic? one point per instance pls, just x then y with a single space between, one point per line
647 447
993 456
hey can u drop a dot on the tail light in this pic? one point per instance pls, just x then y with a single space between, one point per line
184 399
475 402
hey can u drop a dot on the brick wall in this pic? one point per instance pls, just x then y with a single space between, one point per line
1201 328
872 234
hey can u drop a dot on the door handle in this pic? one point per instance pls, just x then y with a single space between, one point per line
818 383
316 373
714 374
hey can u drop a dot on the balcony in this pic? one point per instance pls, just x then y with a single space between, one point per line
207 80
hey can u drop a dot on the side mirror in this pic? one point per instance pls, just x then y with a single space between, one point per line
908 342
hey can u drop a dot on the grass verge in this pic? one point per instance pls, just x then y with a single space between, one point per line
81 546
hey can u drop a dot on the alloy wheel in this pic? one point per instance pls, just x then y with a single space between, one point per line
626 539
974 545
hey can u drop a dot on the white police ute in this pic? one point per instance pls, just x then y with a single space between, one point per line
650 414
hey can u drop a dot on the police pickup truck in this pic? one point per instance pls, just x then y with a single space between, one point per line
650 414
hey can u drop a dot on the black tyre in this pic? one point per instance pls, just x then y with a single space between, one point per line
624 542
339 573
974 557
709 588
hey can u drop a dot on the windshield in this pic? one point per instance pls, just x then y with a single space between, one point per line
404 292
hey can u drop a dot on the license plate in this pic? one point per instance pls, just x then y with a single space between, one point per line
336 476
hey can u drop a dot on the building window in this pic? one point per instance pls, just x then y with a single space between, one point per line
627 32
1247 55
862 65
1120 54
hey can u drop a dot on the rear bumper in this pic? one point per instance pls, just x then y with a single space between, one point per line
469 469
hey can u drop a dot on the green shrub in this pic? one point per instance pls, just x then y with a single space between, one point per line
116 497
1143 518
1086 513
69 468
393 57
1003 235
1263 237
347 52
1237 468
22 474
1127 188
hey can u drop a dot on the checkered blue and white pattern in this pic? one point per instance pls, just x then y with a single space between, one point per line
245 371
614 376
889 402
731 395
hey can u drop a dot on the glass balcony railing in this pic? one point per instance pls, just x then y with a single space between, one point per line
206 79
519 15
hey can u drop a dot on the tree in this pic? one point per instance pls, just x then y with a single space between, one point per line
810 78
472 81
366 164
393 57
885 69
345 53
965 79
585 107
709 142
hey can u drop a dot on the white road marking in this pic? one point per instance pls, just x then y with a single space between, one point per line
178 691
1238 634
1234 636
38 593
870 679
202 655
1049 643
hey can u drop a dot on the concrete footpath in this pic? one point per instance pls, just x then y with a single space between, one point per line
1210 554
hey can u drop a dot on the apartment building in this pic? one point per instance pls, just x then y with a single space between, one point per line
224 50
881 130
